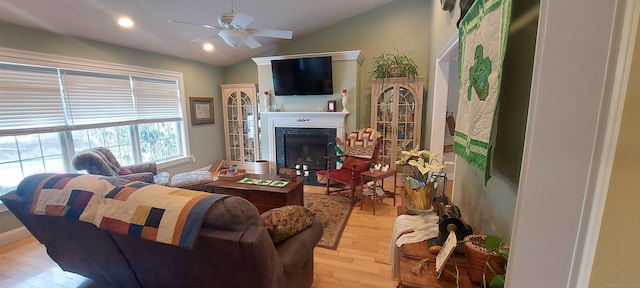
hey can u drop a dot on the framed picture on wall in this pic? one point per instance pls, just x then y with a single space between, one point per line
201 110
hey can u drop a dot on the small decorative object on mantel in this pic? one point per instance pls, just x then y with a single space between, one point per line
420 184
266 100
331 106
344 101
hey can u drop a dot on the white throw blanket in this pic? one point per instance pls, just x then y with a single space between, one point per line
410 229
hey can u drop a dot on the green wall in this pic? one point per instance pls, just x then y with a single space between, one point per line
401 25
417 27
490 208
200 80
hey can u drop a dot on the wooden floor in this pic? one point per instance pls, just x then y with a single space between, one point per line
361 260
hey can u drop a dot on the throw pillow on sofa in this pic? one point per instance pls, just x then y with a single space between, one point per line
286 221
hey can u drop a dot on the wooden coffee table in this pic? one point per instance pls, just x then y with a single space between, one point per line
263 197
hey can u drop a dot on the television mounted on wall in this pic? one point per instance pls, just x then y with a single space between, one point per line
302 76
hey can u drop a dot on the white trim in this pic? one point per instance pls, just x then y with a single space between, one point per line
609 130
441 92
14 235
568 94
301 120
177 161
335 56
59 61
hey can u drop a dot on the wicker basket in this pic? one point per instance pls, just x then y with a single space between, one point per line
477 255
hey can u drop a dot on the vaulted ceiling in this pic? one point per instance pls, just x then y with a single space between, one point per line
96 20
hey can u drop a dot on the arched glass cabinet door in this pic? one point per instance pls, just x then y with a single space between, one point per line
385 124
396 113
241 123
248 127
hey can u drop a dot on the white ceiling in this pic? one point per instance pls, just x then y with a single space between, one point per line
96 20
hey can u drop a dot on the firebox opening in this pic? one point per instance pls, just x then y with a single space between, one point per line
304 149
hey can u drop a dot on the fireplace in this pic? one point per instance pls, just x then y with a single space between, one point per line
304 149
301 138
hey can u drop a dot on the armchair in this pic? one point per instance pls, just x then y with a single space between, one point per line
361 149
100 161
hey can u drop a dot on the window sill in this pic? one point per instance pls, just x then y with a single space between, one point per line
174 162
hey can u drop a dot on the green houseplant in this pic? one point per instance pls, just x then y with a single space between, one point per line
487 257
388 65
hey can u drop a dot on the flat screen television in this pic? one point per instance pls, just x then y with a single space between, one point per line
302 76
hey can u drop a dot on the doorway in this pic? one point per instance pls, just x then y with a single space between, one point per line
445 103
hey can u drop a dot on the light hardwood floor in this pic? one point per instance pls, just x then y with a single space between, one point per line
361 260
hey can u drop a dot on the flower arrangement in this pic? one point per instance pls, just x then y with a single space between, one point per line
420 185
422 162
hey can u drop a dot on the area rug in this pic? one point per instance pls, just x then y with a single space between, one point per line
333 211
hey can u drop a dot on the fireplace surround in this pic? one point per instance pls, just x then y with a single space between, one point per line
313 133
304 149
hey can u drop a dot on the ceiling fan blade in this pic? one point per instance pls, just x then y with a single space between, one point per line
252 43
241 20
196 24
203 38
273 33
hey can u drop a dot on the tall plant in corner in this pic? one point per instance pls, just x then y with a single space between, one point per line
389 65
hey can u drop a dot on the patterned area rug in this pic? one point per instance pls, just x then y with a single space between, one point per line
333 211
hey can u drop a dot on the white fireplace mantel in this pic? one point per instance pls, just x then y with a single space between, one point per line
297 120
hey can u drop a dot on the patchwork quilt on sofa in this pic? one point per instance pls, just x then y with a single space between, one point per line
153 212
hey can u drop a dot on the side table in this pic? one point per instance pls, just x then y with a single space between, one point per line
377 176
409 256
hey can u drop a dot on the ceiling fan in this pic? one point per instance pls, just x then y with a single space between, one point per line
234 31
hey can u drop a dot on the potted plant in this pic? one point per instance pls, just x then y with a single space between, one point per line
388 65
487 257
420 184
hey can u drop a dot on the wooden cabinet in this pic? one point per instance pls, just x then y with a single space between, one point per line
396 112
240 112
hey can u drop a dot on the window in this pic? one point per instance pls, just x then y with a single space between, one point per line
51 109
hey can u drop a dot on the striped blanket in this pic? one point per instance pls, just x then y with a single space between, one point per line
153 212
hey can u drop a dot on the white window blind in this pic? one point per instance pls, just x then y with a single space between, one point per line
98 100
157 99
30 100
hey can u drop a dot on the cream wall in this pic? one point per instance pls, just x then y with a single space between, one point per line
617 254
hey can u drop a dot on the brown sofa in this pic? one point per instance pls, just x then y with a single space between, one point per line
233 249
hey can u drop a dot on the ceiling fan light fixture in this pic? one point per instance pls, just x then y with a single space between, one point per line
125 22
233 37
207 47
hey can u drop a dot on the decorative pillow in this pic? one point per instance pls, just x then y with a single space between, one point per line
286 221
125 171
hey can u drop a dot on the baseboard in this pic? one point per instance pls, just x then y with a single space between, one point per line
14 235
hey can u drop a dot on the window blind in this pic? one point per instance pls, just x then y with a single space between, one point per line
97 99
30 100
157 99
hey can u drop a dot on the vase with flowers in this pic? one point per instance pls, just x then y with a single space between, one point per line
420 184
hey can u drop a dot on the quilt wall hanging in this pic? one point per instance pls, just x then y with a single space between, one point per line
483 39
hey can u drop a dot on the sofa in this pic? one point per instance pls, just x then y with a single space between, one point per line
232 247
101 161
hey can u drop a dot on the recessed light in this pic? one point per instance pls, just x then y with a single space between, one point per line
207 47
125 22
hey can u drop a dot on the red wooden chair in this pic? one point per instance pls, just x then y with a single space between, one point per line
362 147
